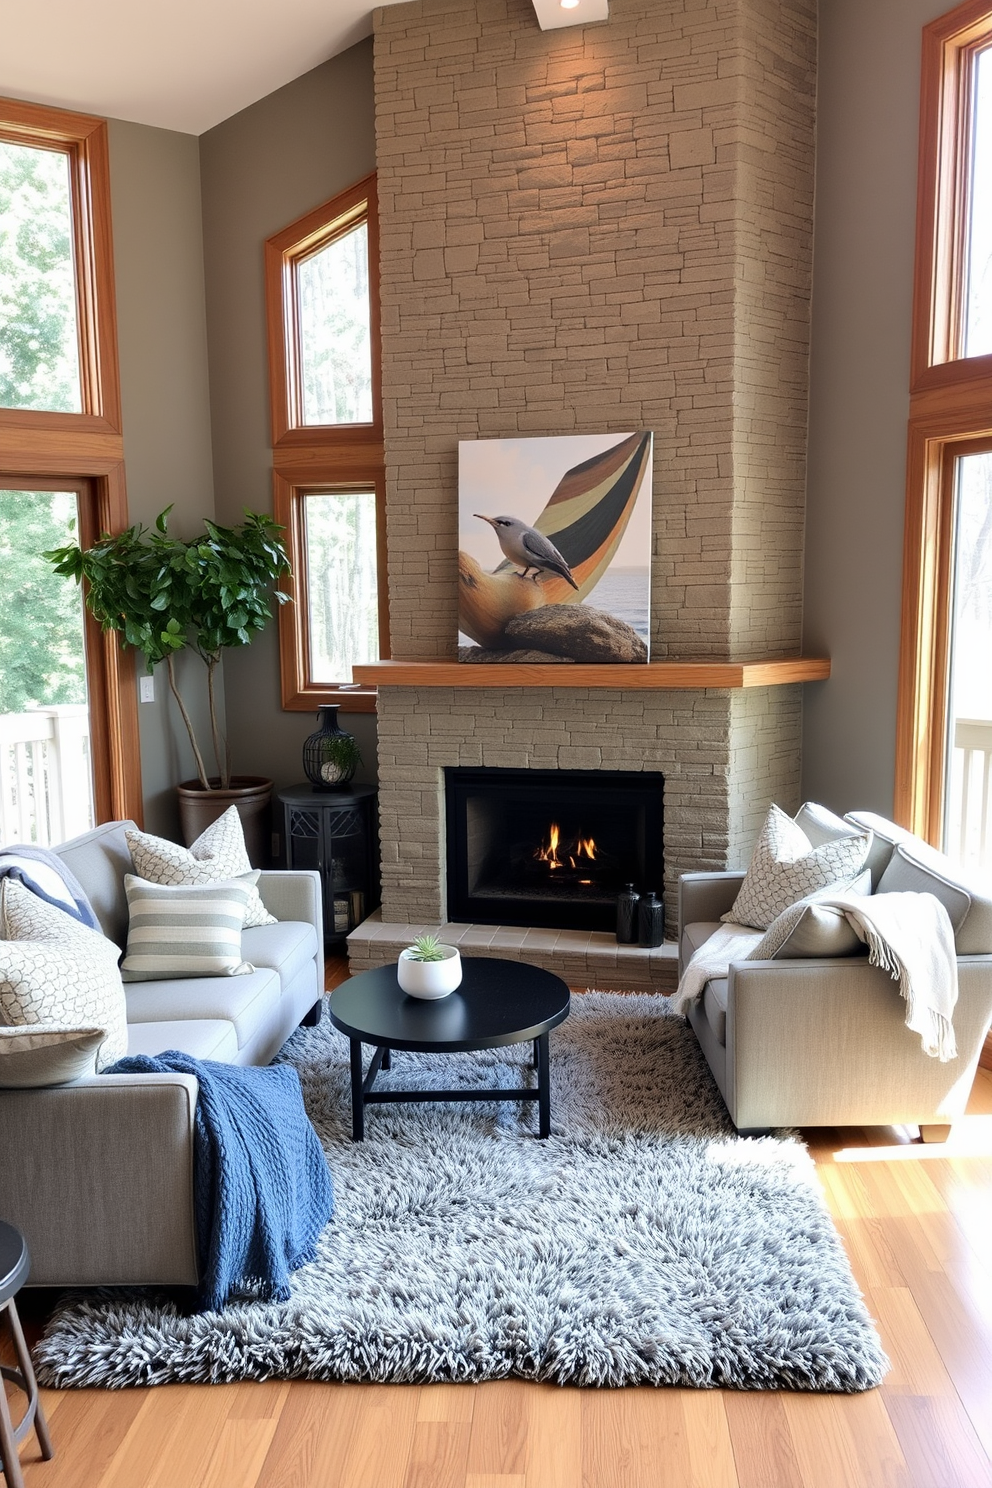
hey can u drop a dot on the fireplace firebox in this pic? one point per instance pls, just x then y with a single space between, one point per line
550 848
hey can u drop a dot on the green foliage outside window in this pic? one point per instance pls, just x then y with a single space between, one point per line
42 660
39 357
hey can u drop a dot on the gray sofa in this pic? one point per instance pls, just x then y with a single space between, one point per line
823 1042
98 1175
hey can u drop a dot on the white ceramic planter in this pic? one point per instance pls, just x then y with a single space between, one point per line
429 979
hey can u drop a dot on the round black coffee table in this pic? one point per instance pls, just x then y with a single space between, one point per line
498 1002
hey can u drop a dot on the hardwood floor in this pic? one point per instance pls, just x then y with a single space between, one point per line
916 1222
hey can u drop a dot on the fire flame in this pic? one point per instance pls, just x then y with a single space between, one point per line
584 847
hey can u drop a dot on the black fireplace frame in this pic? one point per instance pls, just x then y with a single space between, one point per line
602 787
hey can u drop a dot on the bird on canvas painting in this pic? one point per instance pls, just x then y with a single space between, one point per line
528 547
565 553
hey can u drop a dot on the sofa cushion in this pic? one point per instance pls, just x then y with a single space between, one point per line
38 1055
55 971
715 1007
885 835
218 853
286 947
100 859
910 870
203 1038
246 1002
185 930
785 867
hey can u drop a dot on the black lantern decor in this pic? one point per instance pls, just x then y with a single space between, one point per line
650 920
331 755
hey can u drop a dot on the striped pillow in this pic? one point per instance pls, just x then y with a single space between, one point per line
185 930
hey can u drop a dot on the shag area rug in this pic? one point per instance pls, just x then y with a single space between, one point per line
643 1243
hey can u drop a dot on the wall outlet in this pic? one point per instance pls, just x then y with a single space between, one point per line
146 688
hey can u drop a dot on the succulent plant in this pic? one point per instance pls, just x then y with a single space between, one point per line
427 948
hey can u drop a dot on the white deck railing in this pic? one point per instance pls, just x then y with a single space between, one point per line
969 830
46 793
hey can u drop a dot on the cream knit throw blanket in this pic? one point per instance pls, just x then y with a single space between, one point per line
907 935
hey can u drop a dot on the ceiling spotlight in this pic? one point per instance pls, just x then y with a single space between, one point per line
554 13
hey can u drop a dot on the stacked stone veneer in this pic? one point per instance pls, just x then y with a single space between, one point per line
599 229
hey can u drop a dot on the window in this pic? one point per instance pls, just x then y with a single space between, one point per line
323 312
61 460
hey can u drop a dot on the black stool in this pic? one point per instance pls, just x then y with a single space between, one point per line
15 1263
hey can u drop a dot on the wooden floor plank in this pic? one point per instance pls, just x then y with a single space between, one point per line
500 1429
938 1442
707 1434
92 1426
446 1402
312 1438
554 1446
438 1455
846 1441
764 1452
379 1450
634 1439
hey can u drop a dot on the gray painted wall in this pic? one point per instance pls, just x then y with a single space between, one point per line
868 122
261 170
162 336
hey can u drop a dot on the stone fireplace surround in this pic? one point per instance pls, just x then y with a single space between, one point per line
602 228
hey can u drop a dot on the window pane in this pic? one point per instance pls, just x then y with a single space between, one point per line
39 353
341 568
978 297
335 343
46 788
969 742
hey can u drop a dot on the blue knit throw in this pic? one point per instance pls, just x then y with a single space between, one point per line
262 1188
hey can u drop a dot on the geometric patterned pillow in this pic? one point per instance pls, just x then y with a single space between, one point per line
185 930
785 867
37 1054
219 853
57 972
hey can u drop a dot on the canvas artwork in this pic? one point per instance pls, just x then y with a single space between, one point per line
554 560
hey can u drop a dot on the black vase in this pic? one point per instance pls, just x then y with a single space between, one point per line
650 920
330 756
627 901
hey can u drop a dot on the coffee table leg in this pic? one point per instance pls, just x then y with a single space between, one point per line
357 1099
537 1055
386 1060
543 1086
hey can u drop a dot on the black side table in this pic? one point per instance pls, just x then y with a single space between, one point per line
15 1263
498 1002
336 832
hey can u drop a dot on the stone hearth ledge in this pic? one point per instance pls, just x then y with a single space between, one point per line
582 958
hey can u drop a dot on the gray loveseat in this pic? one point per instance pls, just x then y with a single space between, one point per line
98 1175
823 1042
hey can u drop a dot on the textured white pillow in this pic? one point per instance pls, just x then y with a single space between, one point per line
218 854
185 930
57 972
785 867
44 1055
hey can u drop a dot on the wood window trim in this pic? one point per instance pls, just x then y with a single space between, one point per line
291 484
85 451
283 252
319 457
950 412
84 140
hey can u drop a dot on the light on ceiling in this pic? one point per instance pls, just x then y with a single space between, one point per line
552 14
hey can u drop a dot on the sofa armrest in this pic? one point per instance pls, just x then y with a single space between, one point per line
295 894
825 1043
98 1177
706 896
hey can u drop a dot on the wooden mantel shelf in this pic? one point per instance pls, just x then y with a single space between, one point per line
655 676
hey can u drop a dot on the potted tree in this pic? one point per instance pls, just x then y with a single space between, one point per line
162 595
